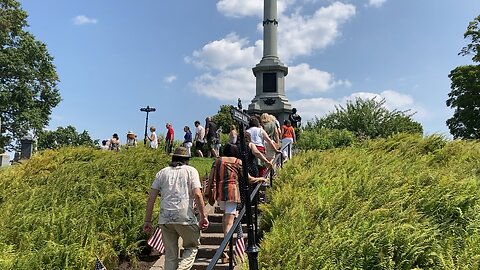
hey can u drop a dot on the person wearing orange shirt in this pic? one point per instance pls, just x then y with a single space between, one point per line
288 136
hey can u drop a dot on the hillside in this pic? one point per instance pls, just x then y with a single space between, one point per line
62 208
402 203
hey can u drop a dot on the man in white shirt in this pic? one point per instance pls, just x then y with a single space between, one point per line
199 138
179 187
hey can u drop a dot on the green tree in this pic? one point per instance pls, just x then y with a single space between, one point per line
28 79
67 136
367 119
223 118
464 96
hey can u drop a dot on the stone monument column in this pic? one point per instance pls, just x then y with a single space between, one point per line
270 72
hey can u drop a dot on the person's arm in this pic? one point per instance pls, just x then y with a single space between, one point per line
294 136
253 180
203 221
206 130
276 135
152 196
197 135
259 154
270 141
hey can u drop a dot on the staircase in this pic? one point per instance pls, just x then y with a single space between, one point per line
211 238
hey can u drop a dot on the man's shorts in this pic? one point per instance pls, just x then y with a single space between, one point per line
210 144
199 145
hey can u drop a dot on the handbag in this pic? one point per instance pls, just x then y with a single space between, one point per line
212 193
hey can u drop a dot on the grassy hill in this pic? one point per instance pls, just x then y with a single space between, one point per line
403 203
62 208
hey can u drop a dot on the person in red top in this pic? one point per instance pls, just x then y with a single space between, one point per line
288 136
169 138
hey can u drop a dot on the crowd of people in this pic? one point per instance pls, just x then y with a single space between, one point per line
265 130
179 184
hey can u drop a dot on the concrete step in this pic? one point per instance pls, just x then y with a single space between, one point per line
217 238
218 228
202 263
217 218
205 251
213 228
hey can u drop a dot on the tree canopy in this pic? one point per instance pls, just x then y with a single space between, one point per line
67 136
223 118
367 119
28 79
464 96
472 33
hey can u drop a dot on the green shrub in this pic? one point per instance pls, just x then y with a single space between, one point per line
368 119
323 139
63 207
402 203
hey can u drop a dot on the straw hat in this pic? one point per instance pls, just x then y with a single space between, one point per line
130 133
181 152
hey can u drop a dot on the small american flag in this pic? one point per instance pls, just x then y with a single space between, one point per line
156 241
240 244
99 265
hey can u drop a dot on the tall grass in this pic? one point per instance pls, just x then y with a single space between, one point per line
402 203
62 208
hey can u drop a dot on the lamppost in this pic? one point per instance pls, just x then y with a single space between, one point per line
147 110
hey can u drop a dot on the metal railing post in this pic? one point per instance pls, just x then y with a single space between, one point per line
230 253
271 176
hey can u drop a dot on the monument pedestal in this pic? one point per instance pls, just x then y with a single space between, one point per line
4 160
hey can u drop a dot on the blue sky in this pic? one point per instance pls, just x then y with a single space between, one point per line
188 57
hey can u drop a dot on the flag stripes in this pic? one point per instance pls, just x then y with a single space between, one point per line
156 241
240 243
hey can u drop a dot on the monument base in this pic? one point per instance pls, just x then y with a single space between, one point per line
275 105
4 160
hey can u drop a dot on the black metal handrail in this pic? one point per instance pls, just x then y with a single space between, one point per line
229 236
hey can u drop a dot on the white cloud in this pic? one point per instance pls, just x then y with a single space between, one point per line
170 79
82 19
229 52
314 107
244 8
376 3
309 81
397 100
226 85
240 8
301 35
318 107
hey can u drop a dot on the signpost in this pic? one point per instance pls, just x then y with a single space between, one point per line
252 248
240 116
147 110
